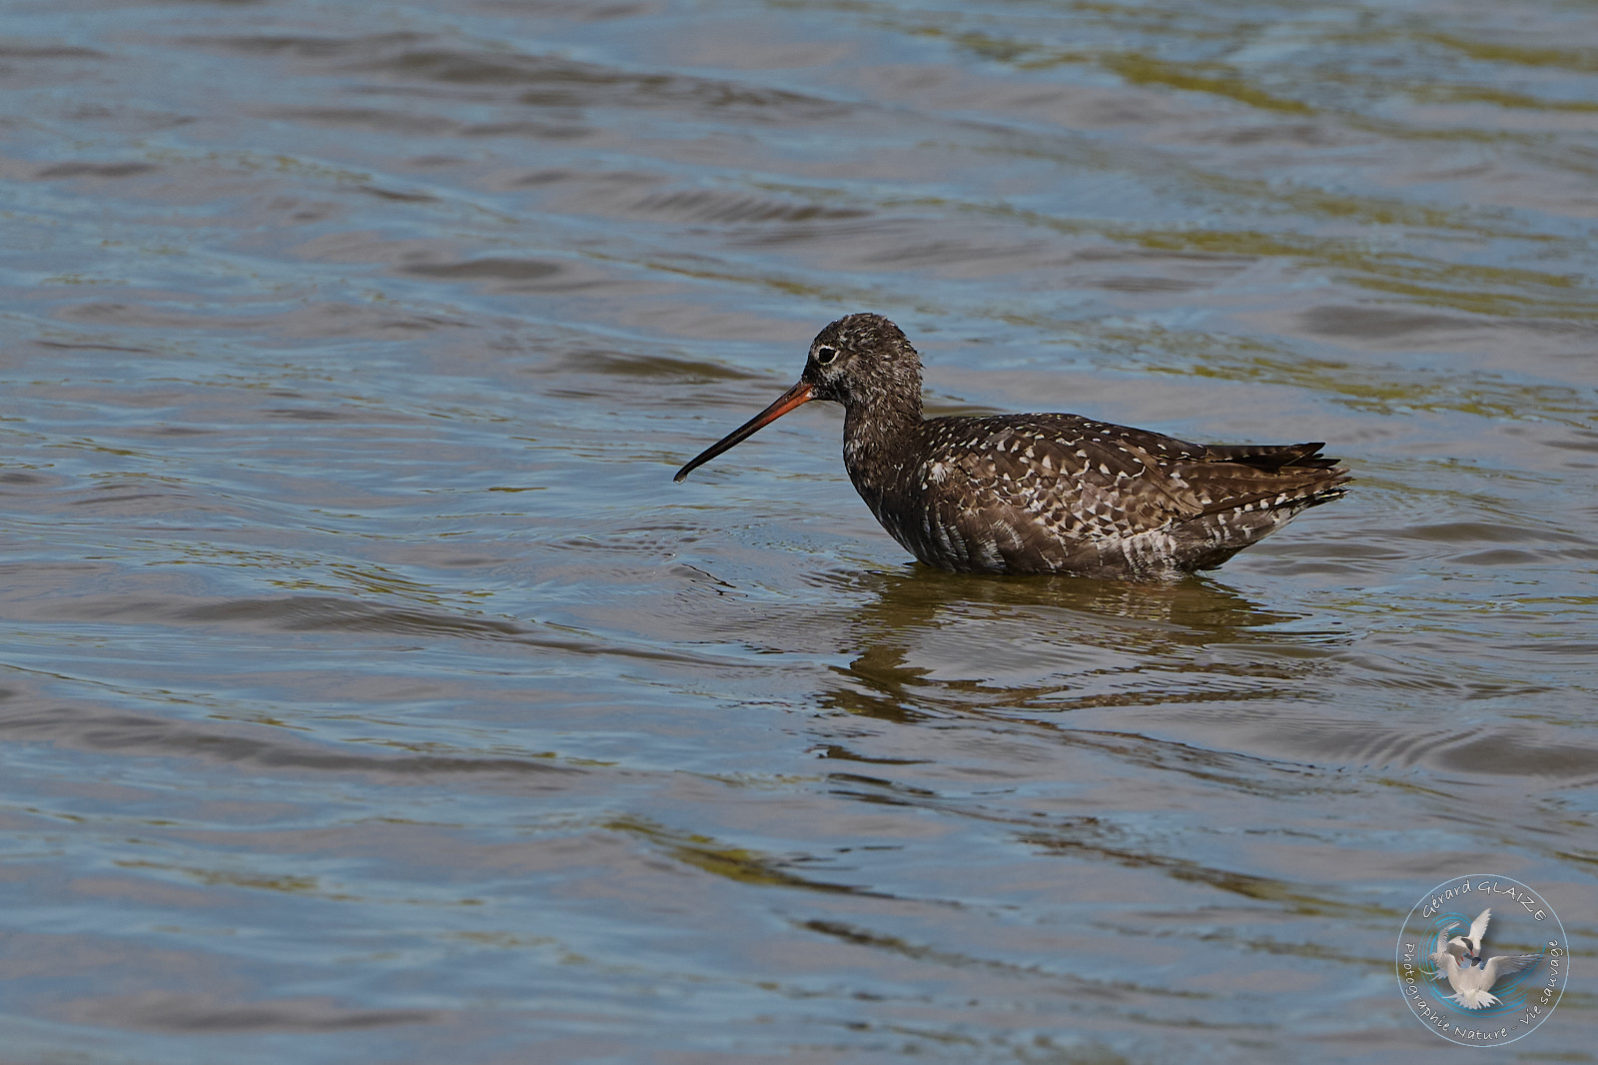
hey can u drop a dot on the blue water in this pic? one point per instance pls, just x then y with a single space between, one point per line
369 693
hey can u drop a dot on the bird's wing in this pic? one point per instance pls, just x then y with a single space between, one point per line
1503 965
1068 475
1478 928
1061 484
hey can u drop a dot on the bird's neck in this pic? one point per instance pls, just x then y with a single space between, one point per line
880 423
882 444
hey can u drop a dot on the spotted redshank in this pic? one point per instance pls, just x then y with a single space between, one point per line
1038 493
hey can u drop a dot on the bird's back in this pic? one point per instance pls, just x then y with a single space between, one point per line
1059 493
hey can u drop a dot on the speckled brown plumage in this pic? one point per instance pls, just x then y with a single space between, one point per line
1038 493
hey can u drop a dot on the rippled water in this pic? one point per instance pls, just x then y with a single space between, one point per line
370 693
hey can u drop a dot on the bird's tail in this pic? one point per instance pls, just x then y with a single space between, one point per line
1475 999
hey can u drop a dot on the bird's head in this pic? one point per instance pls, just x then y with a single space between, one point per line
864 359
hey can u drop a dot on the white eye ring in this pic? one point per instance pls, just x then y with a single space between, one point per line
825 354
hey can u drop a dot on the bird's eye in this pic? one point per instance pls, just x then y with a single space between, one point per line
824 355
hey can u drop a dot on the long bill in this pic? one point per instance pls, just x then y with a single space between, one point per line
798 395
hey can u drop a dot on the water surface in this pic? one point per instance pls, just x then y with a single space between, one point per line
369 692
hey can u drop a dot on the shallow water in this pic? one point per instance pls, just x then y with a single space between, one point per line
370 693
